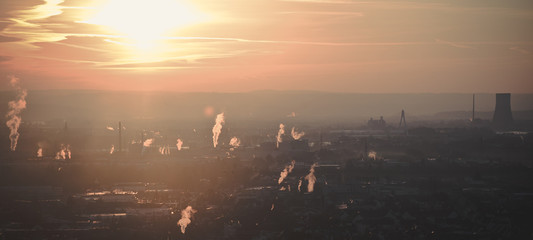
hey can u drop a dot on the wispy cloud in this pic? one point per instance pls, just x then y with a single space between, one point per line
244 40
336 39
8 39
453 44
341 13
27 24
326 1
520 50
5 58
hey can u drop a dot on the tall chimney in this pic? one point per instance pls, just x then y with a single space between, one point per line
503 117
119 136
473 107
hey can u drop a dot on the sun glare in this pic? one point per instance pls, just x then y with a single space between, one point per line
145 23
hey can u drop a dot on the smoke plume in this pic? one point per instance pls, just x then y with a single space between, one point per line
64 153
281 131
185 220
372 155
219 121
297 135
311 179
164 150
179 144
235 142
286 171
148 142
13 115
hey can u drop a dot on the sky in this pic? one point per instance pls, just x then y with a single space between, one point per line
430 46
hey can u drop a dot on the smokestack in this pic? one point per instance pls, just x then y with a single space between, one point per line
320 141
142 145
503 117
366 147
402 121
473 107
119 136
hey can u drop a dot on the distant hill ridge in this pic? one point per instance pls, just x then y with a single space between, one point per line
265 105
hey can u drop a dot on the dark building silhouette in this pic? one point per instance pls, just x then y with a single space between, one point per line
503 117
377 124
403 123
473 107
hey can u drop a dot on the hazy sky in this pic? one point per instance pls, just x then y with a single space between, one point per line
242 45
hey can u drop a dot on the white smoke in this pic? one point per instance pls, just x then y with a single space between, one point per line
40 152
112 149
179 144
281 131
185 220
164 150
69 153
286 171
13 115
61 154
297 135
235 142
311 179
372 155
64 153
148 142
219 121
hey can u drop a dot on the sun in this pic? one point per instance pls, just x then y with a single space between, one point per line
145 22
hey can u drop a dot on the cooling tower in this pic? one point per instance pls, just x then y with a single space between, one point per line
503 118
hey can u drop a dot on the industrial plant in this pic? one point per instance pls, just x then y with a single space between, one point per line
391 176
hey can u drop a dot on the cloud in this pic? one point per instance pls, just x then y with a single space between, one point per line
346 42
341 13
5 58
324 1
8 39
520 50
457 45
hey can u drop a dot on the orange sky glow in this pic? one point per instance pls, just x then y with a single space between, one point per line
231 46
